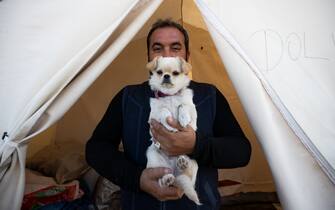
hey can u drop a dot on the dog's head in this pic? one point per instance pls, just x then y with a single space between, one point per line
168 74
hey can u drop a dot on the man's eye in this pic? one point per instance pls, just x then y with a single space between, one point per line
157 49
175 73
159 72
176 47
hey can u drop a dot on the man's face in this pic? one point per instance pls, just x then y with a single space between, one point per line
167 42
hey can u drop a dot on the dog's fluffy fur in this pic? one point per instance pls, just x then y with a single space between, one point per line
169 77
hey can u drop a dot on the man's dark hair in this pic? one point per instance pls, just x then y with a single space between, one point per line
168 23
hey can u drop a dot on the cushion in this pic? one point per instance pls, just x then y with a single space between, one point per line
65 162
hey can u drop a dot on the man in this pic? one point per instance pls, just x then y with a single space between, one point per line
218 143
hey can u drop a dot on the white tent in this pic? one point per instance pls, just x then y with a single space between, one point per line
278 58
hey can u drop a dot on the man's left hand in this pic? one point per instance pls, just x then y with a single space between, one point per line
174 143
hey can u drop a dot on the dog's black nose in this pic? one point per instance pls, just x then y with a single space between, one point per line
166 76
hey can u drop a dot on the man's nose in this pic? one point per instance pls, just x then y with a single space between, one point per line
167 53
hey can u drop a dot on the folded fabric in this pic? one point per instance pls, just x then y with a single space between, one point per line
107 195
52 194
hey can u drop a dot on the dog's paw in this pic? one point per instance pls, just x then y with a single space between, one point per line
168 127
166 180
183 162
184 117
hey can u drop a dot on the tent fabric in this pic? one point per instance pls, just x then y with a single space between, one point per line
306 106
55 84
273 73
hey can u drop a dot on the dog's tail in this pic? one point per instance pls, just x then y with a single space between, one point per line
185 183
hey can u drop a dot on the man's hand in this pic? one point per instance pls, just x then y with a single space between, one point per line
149 183
174 143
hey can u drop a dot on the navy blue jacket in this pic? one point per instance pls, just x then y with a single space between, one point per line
220 143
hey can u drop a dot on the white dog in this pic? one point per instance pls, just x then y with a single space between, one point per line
169 80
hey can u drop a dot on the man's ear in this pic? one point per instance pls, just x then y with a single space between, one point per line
185 66
153 64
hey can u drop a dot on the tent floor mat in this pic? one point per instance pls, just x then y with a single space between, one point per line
251 201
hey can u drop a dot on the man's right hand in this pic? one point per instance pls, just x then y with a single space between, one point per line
149 183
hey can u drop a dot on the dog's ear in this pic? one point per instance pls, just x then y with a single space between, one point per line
185 66
153 64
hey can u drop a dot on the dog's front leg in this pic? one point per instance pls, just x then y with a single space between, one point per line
184 116
165 113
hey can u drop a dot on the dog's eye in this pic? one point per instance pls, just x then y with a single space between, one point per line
159 72
175 73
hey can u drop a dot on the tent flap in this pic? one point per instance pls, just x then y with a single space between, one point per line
304 101
51 80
